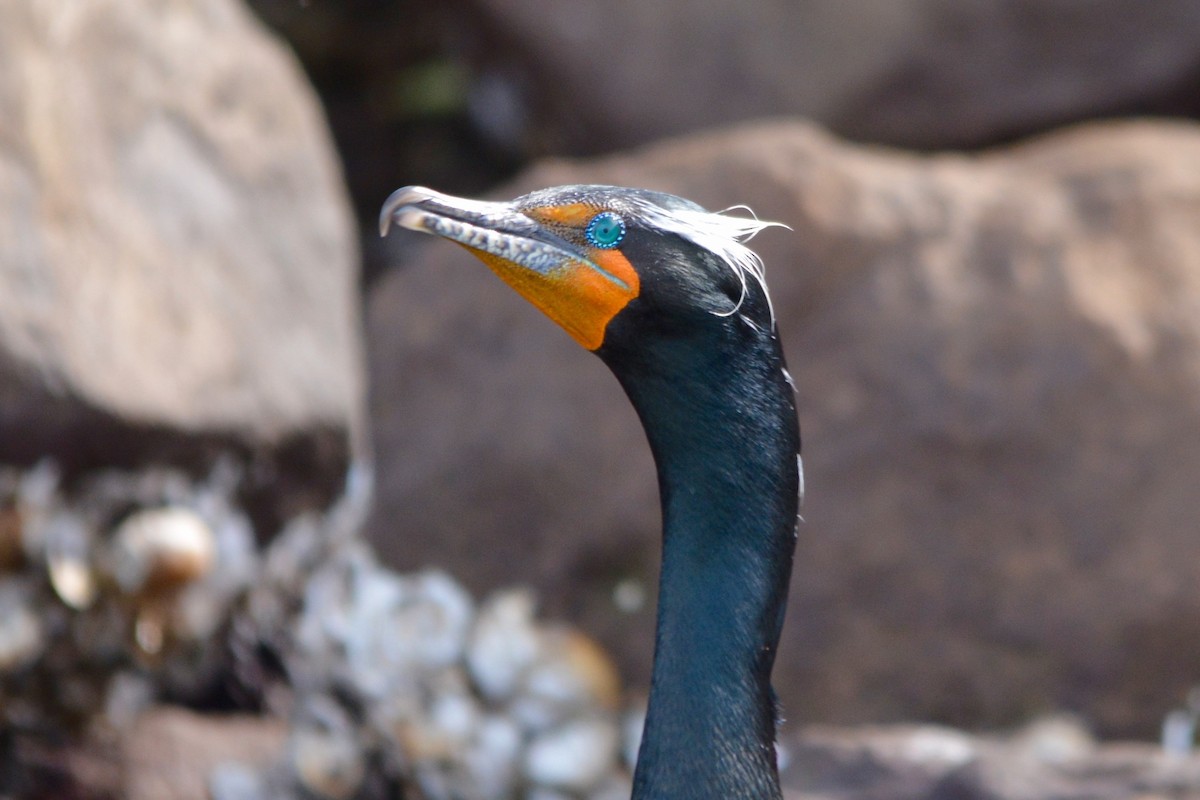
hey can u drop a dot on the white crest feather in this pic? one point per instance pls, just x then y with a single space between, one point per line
722 235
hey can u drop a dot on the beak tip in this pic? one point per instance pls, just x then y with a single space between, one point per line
409 195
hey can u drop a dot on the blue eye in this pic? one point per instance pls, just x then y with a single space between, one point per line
606 230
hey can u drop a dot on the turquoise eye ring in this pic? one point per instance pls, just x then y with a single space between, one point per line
605 231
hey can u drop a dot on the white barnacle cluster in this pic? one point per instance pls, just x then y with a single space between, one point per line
459 699
128 587
123 579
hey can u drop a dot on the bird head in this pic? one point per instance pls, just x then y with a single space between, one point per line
590 255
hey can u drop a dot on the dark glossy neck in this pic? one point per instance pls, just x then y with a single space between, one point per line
724 435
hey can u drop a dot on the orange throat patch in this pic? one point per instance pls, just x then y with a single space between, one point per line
580 298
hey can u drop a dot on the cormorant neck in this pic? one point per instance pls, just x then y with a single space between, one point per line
721 423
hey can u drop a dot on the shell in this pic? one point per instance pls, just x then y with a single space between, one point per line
160 549
389 631
65 541
325 764
504 644
492 756
575 757
324 753
73 580
572 676
21 636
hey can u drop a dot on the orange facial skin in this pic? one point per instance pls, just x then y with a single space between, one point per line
578 296
576 215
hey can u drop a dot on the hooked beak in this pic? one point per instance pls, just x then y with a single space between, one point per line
581 291
488 228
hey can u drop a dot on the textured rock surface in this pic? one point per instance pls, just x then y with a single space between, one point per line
455 94
170 753
176 252
998 361
1049 760
929 73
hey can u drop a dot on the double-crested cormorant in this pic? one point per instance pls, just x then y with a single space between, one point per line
672 301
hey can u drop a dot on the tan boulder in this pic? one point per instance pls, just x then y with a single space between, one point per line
604 74
177 259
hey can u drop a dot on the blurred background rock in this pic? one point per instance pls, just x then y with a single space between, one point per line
997 352
462 93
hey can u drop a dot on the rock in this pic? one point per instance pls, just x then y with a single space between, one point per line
73 580
177 263
493 757
996 360
161 549
905 761
1179 726
68 544
170 752
325 754
233 781
911 762
453 717
203 604
386 632
926 73
1056 739
451 97
572 675
504 644
575 757
480 758
21 636
541 673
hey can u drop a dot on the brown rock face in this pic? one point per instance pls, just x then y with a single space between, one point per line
177 263
925 73
170 753
998 361
1049 759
